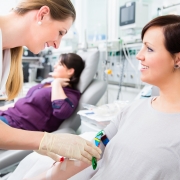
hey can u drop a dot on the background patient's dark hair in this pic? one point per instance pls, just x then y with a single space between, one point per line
171 28
74 61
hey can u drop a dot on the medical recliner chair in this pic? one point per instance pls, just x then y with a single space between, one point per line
92 90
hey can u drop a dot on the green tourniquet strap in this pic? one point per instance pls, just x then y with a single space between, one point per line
94 163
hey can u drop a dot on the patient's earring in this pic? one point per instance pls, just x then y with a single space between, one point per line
39 22
176 66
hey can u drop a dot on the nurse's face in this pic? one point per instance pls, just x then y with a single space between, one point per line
157 63
48 33
61 71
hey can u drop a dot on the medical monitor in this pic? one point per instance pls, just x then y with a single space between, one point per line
133 15
127 14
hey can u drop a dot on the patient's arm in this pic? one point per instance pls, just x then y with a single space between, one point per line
58 173
3 108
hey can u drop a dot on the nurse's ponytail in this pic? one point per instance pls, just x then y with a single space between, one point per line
15 79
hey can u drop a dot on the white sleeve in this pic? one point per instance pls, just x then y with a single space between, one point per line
112 128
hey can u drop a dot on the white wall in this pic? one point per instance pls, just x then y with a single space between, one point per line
91 17
7 5
113 19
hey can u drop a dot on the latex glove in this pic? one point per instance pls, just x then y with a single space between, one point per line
68 145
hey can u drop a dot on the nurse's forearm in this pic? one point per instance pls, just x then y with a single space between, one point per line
11 138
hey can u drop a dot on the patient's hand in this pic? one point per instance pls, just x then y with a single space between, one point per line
62 81
3 108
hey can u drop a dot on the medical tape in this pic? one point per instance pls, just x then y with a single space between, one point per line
64 164
77 163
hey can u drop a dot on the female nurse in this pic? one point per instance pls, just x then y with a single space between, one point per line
36 24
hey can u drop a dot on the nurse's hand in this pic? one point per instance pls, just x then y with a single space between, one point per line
68 145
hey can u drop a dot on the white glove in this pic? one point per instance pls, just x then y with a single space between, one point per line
68 145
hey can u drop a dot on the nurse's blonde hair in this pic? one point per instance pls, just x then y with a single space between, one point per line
60 10
15 79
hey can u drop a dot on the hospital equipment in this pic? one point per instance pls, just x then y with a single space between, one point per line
91 89
131 15
123 64
173 8
36 67
98 117
146 92
131 21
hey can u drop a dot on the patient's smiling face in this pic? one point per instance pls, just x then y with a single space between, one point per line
156 62
61 71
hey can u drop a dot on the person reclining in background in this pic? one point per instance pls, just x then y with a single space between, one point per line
144 139
47 105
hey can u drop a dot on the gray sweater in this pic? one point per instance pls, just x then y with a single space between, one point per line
144 145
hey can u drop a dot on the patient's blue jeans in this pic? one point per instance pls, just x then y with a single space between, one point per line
2 118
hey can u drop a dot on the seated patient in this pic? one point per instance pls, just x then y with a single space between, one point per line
145 137
47 105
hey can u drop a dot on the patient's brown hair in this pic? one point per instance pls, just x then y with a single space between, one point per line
72 60
171 29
